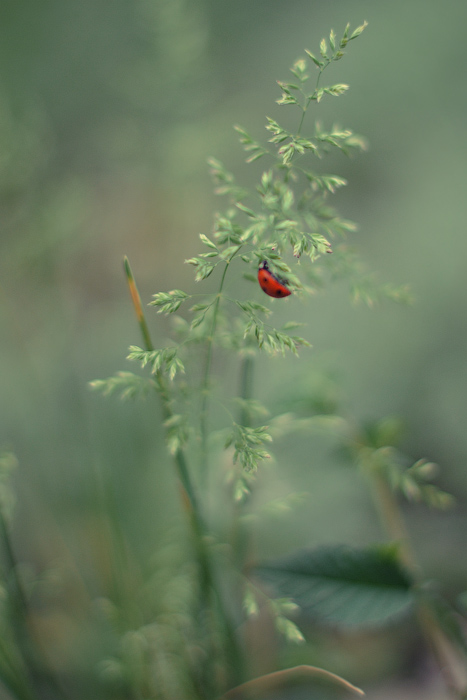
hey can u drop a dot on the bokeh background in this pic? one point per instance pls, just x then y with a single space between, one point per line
108 112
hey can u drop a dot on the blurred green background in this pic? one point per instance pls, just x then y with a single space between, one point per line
108 112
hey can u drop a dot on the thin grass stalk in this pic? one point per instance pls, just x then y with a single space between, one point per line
204 413
208 586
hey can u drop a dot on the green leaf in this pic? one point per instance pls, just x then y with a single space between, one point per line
249 144
345 36
342 586
318 94
250 604
224 180
358 31
333 182
203 270
287 100
317 62
280 134
177 432
126 384
323 48
251 306
249 445
287 152
289 629
163 360
168 302
198 320
207 241
246 210
299 68
230 252
336 90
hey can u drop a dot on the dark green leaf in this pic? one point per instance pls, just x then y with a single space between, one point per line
342 586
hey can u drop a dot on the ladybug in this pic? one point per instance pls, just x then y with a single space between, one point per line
271 284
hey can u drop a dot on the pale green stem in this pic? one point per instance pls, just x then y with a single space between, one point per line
307 104
204 412
246 386
239 537
394 524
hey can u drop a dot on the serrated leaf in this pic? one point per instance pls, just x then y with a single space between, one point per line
342 586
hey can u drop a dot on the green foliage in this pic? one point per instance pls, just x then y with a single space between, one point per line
248 444
375 450
186 644
169 302
285 219
125 384
342 586
165 360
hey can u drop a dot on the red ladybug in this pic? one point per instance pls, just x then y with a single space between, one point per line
272 285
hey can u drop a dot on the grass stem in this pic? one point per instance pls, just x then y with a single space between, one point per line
204 412
209 590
